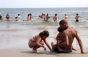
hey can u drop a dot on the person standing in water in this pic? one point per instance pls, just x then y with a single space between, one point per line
77 17
29 17
47 17
55 18
18 17
65 17
7 17
0 17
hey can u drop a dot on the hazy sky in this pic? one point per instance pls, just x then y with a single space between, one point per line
42 3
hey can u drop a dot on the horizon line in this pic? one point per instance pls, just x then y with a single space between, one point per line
44 7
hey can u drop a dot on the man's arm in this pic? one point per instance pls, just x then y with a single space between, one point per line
79 42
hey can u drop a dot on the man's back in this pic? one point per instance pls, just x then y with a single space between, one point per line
67 34
71 34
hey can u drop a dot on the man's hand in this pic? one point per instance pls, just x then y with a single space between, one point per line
83 52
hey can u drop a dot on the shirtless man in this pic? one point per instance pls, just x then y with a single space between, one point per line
55 18
7 17
0 17
65 17
18 17
77 17
65 38
29 17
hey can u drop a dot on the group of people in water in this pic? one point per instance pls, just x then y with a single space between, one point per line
43 16
17 18
64 39
46 17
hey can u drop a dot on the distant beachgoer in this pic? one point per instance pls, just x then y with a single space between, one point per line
47 17
65 17
7 17
39 40
77 17
44 17
65 38
41 16
18 17
55 18
29 17
0 17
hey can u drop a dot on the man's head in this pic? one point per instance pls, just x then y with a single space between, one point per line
65 14
44 34
77 14
18 14
63 24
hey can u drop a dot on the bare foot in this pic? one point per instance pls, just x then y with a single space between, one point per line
84 52
34 51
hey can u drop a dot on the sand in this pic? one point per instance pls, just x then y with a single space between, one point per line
28 53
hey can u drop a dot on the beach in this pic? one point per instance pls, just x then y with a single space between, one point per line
14 35
26 53
14 39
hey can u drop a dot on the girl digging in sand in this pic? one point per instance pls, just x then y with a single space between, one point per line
38 41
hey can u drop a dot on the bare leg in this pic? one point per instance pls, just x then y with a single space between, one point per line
55 47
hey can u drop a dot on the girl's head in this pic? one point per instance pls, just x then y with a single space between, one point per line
44 34
55 14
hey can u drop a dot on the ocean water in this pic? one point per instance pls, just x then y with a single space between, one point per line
83 12
16 34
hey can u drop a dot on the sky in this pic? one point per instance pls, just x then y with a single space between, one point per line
42 3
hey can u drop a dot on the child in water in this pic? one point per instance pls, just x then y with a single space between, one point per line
38 41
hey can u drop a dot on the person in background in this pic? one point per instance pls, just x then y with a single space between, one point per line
0 17
77 17
18 17
7 17
47 17
65 17
41 16
55 18
29 17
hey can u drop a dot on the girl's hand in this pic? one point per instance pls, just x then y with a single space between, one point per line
44 48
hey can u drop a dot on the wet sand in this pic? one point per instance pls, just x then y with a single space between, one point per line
19 52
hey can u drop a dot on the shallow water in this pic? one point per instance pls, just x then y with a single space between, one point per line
16 35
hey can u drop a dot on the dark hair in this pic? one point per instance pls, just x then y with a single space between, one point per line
28 14
60 30
44 33
18 14
63 22
55 14
77 14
